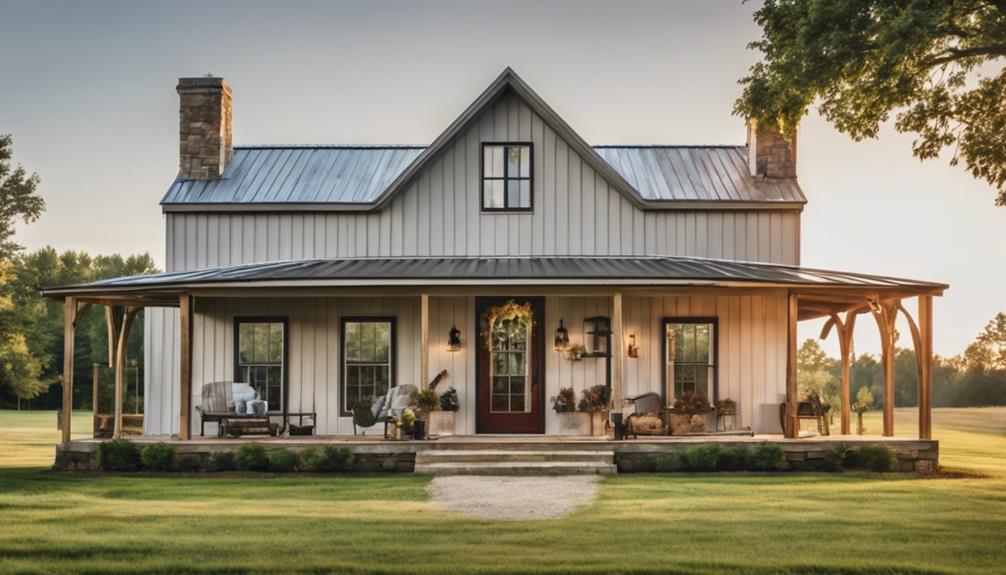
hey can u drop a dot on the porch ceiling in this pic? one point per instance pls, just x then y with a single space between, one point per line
822 291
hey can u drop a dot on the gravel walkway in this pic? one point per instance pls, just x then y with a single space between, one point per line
512 497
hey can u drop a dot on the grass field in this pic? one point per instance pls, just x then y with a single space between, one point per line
737 523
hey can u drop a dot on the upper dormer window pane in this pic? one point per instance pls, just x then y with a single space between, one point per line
506 177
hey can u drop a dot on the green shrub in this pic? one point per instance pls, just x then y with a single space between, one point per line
877 458
159 457
735 458
251 457
339 458
312 460
834 458
189 463
118 455
667 463
702 458
283 460
768 457
220 461
327 460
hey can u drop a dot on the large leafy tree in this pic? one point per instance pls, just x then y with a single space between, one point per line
937 65
19 198
988 351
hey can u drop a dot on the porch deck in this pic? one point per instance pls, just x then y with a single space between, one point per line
377 454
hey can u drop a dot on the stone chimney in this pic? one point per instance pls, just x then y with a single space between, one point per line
204 127
770 154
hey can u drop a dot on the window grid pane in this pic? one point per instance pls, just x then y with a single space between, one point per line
367 365
260 360
690 358
506 177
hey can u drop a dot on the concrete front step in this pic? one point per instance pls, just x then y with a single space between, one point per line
518 468
514 462
512 456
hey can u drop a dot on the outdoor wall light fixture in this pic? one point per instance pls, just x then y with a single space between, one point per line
454 339
561 337
633 348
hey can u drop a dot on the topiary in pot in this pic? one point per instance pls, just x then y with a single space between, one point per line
251 457
449 400
159 457
118 455
282 460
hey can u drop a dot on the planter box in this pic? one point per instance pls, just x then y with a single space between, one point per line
582 422
441 423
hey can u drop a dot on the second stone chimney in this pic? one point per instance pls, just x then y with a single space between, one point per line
770 154
204 128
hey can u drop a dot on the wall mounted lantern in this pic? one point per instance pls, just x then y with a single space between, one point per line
633 348
454 339
561 337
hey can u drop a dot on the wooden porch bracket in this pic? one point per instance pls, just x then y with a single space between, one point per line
185 304
791 425
120 361
844 329
617 351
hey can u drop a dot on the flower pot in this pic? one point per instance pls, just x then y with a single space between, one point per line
441 423
573 423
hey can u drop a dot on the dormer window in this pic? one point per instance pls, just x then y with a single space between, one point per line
506 177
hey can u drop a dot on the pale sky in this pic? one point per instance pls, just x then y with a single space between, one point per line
88 93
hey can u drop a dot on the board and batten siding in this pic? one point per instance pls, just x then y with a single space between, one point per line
751 361
576 212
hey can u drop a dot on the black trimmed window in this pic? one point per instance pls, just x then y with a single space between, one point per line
506 177
690 354
260 358
368 359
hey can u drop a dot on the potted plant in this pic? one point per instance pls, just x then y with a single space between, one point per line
864 403
570 421
576 352
596 401
442 421
425 403
726 414
688 413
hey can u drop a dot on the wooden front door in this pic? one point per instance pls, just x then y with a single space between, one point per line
511 382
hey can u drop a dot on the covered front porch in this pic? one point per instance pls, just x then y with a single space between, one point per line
753 310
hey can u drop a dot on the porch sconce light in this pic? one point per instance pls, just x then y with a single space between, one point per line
454 339
633 348
561 337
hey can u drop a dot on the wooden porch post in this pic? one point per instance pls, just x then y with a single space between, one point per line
424 340
925 354
886 313
791 427
120 363
69 316
185 357
617 351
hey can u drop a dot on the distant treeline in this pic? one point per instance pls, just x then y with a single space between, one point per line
31 327
975 378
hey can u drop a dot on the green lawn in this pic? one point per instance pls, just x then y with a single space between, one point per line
741 523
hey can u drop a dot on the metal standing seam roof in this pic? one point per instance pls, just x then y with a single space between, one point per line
359 175
447 270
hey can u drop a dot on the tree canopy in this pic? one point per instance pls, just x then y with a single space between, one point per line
937 65
19 198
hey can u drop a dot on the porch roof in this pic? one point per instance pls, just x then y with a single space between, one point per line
446 271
